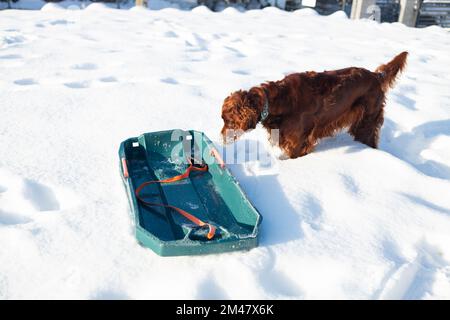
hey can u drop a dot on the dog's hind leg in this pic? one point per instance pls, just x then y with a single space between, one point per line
367 128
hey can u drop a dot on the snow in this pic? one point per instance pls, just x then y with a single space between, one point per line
345 222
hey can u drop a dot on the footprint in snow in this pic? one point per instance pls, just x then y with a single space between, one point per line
350 184
280 284
85 66
22 198
11 56
415 279
274 281
170 34
405 101
10 40
210 289
108 79
169 80
25 82
241 72
425 58
77 85
41 197
236 52
88 38
10 219
196 44
407 89
60 22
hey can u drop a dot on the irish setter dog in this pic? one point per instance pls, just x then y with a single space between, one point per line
308 106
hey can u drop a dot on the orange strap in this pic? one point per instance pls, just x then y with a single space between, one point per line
184 213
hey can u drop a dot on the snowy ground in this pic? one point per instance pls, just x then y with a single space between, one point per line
343 222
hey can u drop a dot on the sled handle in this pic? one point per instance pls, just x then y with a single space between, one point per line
125 168
218 157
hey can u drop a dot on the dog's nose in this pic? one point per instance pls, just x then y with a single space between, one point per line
227 137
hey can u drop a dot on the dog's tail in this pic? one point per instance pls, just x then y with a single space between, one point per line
388 72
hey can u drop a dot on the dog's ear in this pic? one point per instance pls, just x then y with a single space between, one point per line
239 112
249 118
247 106
256 99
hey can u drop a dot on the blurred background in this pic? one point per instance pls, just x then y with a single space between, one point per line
413 13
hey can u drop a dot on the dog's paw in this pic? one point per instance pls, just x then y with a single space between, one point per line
279 153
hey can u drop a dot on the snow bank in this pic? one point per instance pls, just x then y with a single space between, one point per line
51 7
346 221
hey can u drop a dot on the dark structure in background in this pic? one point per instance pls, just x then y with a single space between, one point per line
431 12
434 12
390 9
326 7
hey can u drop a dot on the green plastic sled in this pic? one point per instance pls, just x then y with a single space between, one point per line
214 196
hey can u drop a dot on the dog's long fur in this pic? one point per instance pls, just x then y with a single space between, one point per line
308 106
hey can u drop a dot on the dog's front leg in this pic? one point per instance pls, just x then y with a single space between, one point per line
295 145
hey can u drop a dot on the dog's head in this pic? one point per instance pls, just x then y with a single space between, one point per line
240 113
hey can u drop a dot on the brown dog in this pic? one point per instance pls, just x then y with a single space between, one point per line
308 106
